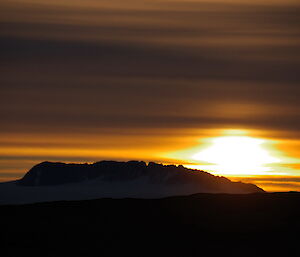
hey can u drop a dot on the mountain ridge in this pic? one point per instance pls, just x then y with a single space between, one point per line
55 181
112 171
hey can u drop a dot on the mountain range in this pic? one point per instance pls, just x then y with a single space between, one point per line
54 181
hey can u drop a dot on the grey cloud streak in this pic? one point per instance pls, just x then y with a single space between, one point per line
68 67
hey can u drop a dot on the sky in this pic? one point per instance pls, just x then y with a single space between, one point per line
153 80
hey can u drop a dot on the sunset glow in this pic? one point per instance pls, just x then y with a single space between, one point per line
236 155
240 154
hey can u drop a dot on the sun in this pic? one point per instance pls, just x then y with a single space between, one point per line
236 155
233 153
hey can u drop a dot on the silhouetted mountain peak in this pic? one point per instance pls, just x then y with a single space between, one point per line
57 173
54 181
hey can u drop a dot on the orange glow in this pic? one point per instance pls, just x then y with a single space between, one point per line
235 152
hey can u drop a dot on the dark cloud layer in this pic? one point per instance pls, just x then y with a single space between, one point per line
192 64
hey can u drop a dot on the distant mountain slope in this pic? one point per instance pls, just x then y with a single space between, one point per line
50 181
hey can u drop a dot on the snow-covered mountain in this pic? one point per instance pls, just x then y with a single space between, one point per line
50 181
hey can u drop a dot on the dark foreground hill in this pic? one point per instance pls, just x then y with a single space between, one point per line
49 181
199 225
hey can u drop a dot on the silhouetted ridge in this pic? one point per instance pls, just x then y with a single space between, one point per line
56 173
